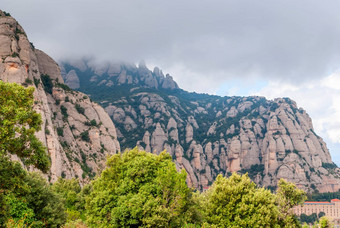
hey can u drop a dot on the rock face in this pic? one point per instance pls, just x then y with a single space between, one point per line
78 133
207 135
112 75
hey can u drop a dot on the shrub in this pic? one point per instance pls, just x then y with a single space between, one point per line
80 109
85 136
63 110
7 14
28 81
14 54
36 82
60 131
91 123
47 82
329 165
64 87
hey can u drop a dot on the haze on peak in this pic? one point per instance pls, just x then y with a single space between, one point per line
272 48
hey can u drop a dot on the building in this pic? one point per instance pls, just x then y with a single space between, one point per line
331 209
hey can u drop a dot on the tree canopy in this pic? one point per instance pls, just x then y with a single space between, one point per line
138 189
237 202
18 124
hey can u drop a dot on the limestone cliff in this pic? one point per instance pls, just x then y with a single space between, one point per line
207 135
77 132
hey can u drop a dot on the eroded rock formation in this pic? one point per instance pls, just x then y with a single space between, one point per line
77 132
207 135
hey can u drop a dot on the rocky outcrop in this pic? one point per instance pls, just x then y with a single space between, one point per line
77 132
116 74
207 135
72 80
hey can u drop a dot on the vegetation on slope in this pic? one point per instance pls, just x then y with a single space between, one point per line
136 188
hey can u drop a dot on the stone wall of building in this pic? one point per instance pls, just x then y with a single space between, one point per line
331 209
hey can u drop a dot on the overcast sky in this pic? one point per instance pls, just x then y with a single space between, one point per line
243 47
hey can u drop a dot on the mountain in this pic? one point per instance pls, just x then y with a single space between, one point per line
77 132
205 134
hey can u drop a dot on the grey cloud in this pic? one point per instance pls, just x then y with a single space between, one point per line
284 39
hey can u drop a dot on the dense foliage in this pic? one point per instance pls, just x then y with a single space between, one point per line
141 189
26 199
138 189
73 197
19 122
236 201
326 196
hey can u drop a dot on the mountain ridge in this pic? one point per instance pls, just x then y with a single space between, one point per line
208 134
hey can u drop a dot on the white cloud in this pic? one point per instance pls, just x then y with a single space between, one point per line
239 38
332 81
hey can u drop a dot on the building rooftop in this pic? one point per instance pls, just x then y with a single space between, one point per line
322 202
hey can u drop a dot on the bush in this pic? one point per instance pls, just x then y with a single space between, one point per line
60 131
85 136
36 206
329 165
91 123
14 54
63 110
47 82
28 81
73 197
80 109
36 82
64 87
7 14
47 205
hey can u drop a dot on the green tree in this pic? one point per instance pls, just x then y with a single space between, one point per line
73 197
237 202
305 225
47 205
18 124
288 196
19 211
309 219
325 223
321 214
138 189
36 206
11 180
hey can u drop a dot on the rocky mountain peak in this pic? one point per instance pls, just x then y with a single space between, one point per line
114 74
77 132
207 135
